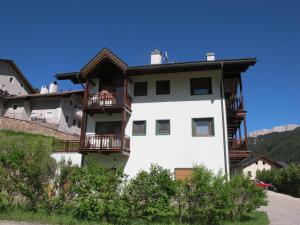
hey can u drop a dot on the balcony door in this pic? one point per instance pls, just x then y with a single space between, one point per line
110 134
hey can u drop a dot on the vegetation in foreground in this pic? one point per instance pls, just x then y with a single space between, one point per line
33 185
286 180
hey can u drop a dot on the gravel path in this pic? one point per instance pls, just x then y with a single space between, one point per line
282 209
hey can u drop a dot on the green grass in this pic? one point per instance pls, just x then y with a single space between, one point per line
10 138
260 218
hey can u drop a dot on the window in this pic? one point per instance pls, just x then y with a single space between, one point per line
75 106
67 119
78 123
256 162
163 87
11 79
49 113
22 85
139 128
264 163
15 107
249 174
74 122
140 89
201 86
162 127
202 127
112 127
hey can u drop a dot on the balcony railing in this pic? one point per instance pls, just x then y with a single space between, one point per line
237 144
96 143
113 142
234 104
66 146
101 100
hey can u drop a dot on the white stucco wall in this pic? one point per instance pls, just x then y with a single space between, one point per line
179 149
15 87
75 158
253 168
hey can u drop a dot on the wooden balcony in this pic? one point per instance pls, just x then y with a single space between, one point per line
66 146
106 143
97 143
238 150
107 102
235 105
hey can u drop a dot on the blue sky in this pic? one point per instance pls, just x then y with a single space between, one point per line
47 37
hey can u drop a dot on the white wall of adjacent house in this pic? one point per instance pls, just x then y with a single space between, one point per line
9 80
259 165
179 149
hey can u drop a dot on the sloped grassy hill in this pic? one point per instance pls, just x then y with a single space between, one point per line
284 146
10 138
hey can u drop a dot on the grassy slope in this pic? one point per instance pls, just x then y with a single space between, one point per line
283 146
10 138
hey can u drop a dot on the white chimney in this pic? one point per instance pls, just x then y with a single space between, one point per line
53 87
44 90
210 56
156 56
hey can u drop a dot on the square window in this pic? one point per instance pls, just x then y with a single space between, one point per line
139 128
140 89
202 127
249 174
163 87
162 127
201 86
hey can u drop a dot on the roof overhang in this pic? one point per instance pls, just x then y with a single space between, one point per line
49 95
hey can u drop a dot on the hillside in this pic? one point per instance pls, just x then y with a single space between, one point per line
282 146
11 138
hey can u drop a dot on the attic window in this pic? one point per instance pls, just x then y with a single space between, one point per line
11 79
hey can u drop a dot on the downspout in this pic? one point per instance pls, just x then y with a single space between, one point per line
223 125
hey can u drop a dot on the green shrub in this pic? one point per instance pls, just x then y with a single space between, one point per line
148 196
286 180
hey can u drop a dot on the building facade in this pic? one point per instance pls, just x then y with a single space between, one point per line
176 115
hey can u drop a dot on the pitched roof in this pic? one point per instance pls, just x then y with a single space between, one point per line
253 159
37 95
228 66
20 75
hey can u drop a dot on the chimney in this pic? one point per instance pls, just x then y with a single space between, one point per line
156 57
53 87
44 90
210 56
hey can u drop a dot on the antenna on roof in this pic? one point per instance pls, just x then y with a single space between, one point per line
166 57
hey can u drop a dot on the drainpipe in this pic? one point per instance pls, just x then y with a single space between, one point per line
225 144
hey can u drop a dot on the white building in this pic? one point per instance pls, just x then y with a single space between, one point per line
174 114
12 79
251 165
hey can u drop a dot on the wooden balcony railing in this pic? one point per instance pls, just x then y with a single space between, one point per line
114 142
101 100
235 104
237 144
96 143
66 146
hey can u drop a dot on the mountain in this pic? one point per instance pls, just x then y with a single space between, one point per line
280 146
288 127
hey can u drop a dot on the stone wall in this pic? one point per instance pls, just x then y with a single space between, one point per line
33 127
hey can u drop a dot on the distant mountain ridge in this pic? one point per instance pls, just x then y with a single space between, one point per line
278 129
283 144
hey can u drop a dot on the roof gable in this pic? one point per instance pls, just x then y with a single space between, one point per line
104 54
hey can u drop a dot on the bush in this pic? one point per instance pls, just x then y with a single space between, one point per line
148 196
286 180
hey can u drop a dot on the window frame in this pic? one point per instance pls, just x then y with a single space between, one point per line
139 134
157 132
212 127
192 92
139 83
161 82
